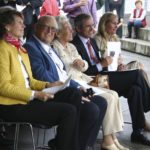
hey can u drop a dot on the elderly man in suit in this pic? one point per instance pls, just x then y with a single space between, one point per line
47 66
130 84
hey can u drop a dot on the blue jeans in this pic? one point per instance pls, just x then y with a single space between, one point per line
136 24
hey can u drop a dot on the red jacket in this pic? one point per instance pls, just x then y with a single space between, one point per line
49 7
144 20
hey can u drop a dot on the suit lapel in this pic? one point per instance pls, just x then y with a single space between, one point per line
82 49
47 59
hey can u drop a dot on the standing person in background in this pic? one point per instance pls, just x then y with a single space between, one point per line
31 13
8 2
99 4
137 19
49 7
118 6
75 7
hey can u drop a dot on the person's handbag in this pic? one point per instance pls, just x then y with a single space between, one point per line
133 65
100 81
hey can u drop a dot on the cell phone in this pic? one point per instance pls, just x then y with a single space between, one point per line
89 93
112 53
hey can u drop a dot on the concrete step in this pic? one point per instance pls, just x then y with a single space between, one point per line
144 33
136 45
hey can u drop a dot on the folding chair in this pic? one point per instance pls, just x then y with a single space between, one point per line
17 128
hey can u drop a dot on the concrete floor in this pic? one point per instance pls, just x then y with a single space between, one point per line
124 137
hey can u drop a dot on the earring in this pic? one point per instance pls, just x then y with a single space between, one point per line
8 29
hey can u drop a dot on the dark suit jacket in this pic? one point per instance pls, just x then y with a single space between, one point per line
92 69
43 67
28 11
9 3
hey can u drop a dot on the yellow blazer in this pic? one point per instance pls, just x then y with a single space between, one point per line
12 83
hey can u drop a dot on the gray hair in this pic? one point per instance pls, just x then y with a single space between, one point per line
60 21
42 20
6 8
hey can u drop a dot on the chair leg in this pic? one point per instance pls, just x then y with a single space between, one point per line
32 135
43 142
16 136
44 136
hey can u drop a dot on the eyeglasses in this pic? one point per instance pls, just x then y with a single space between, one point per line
46 27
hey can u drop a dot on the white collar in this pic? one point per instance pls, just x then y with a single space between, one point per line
46 47
83 39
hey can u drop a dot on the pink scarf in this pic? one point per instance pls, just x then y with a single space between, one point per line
17 43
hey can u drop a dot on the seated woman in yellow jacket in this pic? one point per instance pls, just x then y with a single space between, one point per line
21 96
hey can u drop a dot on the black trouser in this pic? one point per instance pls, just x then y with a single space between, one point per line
90 117
102 107
53 112
48 113
66 116
133 86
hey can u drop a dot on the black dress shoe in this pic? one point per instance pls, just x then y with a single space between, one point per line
135 37
128 36
140 138
52 144
5 141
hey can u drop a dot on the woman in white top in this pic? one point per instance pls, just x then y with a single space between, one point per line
75 66
107 34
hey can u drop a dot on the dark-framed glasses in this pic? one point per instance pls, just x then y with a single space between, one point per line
47 27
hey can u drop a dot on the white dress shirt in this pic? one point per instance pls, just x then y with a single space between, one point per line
84 41
26 76
58 63
137 15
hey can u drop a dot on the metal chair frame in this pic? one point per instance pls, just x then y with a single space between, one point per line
17 128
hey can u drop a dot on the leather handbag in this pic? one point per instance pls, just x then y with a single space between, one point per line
100 81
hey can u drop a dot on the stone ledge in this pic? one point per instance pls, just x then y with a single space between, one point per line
136 46
144 33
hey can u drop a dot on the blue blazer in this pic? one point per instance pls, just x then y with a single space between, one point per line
43 67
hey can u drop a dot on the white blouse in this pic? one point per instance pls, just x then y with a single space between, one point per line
68 55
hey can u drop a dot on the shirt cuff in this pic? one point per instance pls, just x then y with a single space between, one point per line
32 96
99 67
